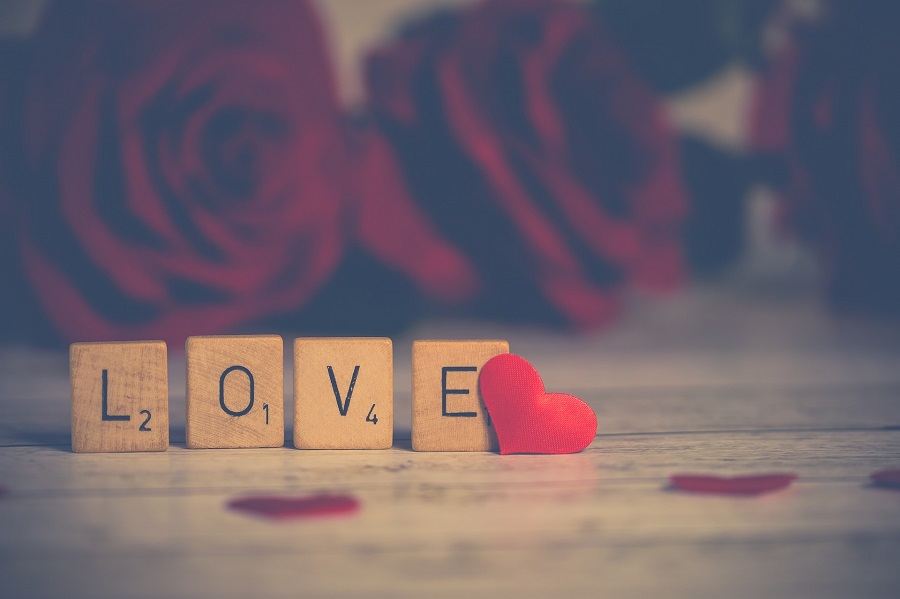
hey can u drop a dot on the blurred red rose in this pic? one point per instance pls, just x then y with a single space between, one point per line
829 106
526 137
185 162
392 228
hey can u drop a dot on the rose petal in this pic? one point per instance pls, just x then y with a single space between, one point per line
275 507
756 484
889 479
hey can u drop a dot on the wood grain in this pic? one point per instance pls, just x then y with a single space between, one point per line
473 523
458 420
343 393
120 396
235 391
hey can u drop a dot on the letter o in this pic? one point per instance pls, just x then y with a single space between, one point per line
222 390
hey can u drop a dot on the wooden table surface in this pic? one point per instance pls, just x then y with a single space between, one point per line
712 381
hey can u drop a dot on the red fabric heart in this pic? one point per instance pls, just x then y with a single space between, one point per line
732 485
284 508
889 479
527 418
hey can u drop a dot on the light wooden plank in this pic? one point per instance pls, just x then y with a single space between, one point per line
846 456
413 535
801 569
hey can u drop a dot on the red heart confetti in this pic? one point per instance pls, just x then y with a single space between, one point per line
527 418
888 479
276 507
756 484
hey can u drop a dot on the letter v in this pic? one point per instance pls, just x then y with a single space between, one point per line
343 406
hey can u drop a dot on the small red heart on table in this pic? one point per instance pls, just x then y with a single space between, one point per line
527 418
275 507
756 484
888 479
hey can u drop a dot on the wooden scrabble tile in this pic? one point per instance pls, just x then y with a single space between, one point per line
120 396
235 391
343 393
448 413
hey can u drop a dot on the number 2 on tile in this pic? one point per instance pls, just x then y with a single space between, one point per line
144 427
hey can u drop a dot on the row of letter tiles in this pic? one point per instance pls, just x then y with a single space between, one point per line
343 394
